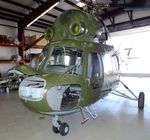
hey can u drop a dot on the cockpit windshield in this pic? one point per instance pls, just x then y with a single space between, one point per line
65 60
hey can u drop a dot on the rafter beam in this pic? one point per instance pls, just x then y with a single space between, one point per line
140 22
56 8
36 12
44 24
22 24
112 20
8 18
47 21
39 25
73 4
10 15
130 15
11 11
17 27
18 4
39 1
22 14
132 6
112 13
50 15
22 6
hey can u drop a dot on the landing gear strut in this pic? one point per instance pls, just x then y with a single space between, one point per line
59 127
92 112
140 99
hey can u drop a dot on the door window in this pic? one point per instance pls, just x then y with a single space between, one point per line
95 65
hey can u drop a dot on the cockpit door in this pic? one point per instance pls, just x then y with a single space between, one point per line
95 70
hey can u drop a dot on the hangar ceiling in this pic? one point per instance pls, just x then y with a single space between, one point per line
117 14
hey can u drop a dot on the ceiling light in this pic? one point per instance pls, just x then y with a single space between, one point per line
43 13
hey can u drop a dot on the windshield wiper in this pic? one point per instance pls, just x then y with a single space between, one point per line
71 68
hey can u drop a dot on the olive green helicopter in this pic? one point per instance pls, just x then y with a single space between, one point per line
75 69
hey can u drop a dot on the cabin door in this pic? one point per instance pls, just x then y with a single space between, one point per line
95 71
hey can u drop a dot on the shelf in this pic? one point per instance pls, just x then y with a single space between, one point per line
11 62
20 52
34 47
10 44
27 61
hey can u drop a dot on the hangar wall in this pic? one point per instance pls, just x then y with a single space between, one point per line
7 52
130 31
124 22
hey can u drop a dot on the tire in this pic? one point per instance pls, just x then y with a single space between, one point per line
55 129
64 129
141 100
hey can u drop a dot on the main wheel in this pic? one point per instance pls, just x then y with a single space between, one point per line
141 100
55 129
64 129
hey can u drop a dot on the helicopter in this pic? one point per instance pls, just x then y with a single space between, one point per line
75 69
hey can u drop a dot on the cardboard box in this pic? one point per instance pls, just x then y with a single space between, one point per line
42 42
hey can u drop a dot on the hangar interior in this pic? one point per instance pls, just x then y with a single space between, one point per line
24 22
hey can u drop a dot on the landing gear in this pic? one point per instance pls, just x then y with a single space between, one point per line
58 127
141 100
92 112
55 129
64 129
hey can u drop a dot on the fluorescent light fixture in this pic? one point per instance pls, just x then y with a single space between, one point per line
81 4
43 13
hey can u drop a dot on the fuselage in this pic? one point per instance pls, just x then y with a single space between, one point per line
74 70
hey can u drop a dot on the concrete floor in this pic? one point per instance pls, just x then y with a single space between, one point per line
119 119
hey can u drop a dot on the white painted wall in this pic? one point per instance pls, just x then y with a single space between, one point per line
6 30
7 52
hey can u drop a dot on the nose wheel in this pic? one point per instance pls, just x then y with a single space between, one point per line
55 129
58 127
64 129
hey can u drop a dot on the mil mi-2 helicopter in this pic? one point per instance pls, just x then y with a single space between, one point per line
75 70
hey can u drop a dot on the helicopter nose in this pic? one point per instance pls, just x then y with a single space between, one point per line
33 89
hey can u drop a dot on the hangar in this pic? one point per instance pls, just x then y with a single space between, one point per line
22 39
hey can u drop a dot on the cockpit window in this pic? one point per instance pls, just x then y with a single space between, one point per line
40 61
66 60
